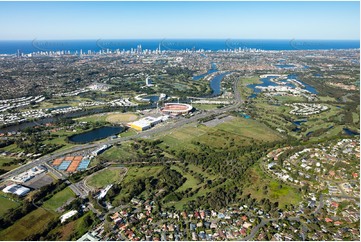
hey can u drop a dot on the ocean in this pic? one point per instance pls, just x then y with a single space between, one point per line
29 46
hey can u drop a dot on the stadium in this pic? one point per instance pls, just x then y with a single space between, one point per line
176 108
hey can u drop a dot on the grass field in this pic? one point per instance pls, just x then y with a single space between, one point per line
249 128
6 204
242 86
93 118
5 160
106 177
11 148
256 182
191 181
34 222
141 172
121 117
59 199
205 106
240 130
119 153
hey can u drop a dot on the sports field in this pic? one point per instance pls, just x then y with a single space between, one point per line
59 199
121 118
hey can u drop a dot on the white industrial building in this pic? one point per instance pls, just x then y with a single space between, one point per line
147 122
67 215
17 190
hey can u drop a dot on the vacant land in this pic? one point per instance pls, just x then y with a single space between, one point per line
106 177
34 222
59 199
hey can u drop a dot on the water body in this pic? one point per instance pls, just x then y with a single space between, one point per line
299 122
96 134
29 46
152 98
216 84
267 82
309 133
298 125
285 66
42 121
309 88
350 132
210 71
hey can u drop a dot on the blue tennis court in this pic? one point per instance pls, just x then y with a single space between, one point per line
83 165
64 165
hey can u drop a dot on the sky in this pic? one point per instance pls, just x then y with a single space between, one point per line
185 20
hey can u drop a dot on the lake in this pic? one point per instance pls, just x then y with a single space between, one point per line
267 82
151 98
96 134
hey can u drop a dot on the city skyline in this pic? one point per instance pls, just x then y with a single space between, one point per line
179 20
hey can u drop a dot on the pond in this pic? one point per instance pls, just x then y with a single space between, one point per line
298 124
350 132
96 134
152 98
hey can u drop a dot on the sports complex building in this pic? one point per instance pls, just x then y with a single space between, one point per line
175 109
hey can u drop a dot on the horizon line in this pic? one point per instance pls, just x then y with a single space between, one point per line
76 39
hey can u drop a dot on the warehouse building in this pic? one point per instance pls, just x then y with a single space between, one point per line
146 123
17 190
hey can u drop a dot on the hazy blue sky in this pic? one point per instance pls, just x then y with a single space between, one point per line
134 20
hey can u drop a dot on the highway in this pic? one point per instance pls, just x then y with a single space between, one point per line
156 130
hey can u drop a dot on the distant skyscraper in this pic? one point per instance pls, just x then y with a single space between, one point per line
139 49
